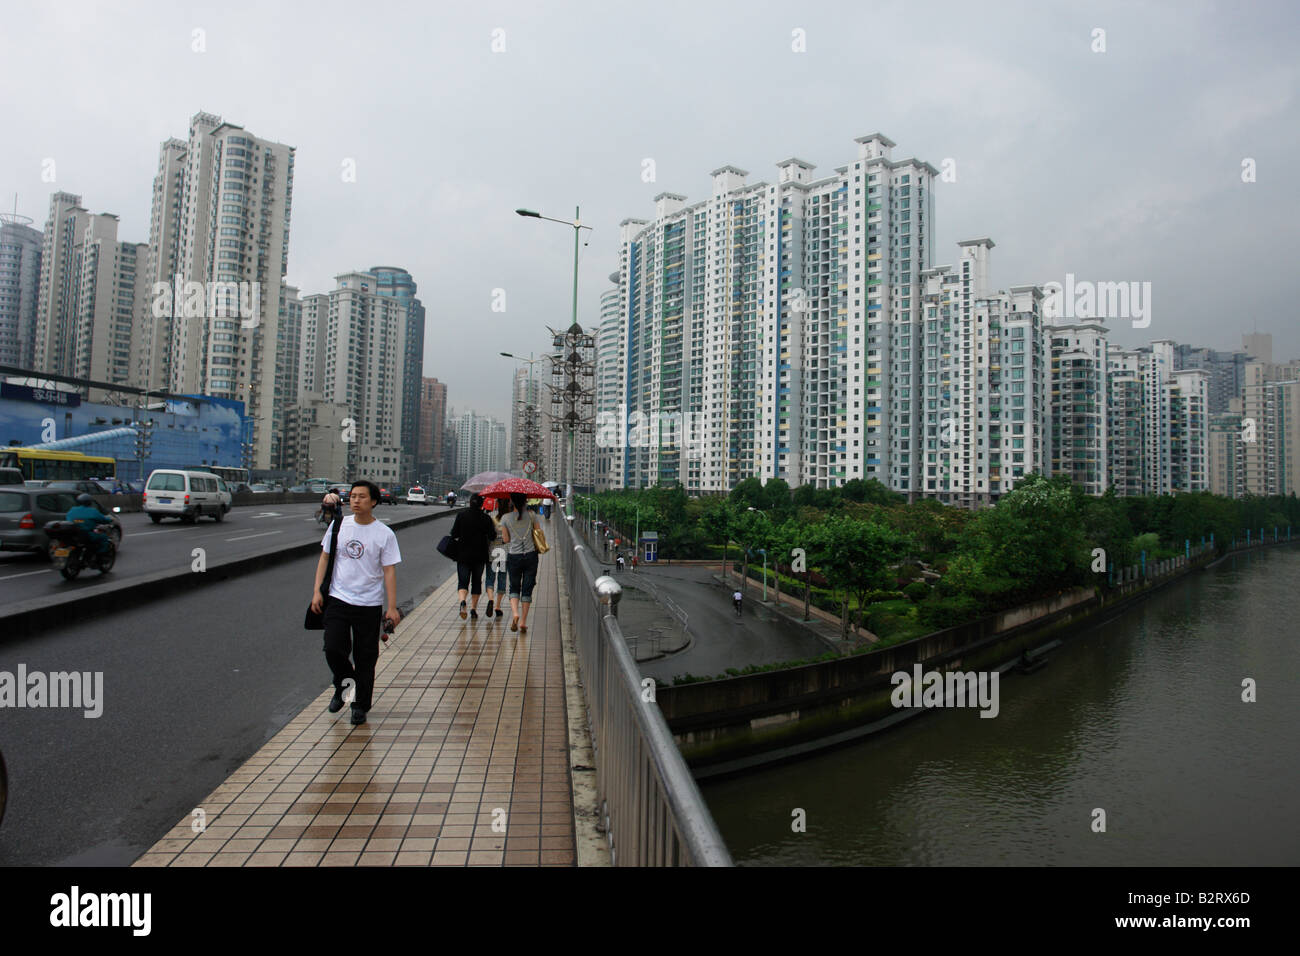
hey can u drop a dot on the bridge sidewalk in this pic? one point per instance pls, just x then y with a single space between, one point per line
464 759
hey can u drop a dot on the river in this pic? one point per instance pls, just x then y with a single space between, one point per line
1140 716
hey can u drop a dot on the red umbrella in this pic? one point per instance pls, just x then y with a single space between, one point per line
510 486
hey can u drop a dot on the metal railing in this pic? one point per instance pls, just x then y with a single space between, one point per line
650 807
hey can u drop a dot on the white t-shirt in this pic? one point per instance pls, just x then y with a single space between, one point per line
364 551
735 596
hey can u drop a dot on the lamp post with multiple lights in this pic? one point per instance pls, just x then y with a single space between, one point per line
570 361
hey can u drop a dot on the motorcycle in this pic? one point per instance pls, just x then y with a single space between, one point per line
71 549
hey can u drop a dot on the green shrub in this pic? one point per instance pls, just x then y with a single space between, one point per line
937 612
918 591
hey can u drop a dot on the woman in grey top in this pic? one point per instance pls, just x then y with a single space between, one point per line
521 558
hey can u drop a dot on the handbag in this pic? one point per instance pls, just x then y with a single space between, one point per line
539 539
448 547
313 621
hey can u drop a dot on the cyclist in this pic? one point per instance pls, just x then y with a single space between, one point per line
87 517
736 597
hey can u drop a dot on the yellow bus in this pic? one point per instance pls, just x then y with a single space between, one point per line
41 464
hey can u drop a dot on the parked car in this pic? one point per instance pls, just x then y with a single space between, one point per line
415 496
10 476
86 485
135 486
259 489
298 490
386 497
188 495
25 511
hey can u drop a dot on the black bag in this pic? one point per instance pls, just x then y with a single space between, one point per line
313 621
448 547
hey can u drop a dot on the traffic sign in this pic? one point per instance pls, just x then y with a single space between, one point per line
530 467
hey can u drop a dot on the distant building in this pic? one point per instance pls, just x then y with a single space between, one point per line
20 283
91 292
480 443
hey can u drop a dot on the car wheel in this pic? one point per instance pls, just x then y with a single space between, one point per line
155 518
220 515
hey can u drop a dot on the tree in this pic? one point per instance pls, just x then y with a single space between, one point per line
854 557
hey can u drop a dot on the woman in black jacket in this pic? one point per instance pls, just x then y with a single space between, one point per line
473 531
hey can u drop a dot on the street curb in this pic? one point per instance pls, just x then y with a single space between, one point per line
36 616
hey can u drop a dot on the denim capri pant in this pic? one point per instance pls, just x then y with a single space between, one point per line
523 574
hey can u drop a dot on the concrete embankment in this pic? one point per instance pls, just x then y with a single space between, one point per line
728 726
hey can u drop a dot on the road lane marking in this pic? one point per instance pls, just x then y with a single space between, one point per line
246 537
25 573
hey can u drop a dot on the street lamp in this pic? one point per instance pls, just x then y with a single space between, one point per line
574 329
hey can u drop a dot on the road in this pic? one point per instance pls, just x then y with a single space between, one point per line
193 684
148 548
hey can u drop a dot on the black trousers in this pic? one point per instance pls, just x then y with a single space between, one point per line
468 574
353 630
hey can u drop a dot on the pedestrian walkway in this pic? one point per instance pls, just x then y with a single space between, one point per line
464 759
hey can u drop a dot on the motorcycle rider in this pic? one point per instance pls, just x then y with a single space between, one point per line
87 517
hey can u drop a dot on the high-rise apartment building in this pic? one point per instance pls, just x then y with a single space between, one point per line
785 317
980 413
610 395
90 295
399 284
1169 452
220 227
431 445
20 282
353 348
1226 452
1080 404
480 443
1270 429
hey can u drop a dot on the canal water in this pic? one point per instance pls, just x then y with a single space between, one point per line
1140 716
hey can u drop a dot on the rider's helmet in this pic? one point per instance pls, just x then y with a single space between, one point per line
84 499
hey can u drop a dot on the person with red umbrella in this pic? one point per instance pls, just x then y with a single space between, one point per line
520 529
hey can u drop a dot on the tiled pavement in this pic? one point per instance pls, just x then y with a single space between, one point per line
464 759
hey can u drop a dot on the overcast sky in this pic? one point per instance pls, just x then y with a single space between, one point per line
1117 165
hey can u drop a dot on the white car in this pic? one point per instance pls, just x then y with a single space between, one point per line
188 495
415 496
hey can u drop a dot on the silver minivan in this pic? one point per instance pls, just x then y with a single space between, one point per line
188 495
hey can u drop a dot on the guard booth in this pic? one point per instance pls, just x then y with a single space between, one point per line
649 546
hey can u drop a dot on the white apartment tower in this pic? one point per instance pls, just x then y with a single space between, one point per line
786 316
1159 442
1080 404
20 281
220 218
984 381
610 362
91 292
352 352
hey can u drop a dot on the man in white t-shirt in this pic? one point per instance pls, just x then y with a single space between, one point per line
365 572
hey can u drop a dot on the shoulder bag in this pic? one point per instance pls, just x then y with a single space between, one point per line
539 539
314 621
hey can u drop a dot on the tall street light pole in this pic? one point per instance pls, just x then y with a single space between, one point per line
577 226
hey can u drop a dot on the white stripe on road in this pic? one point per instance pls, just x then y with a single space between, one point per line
246 537
25 573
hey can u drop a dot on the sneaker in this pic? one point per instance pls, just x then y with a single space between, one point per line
462 610
336 702
489 609
473 613
358 715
